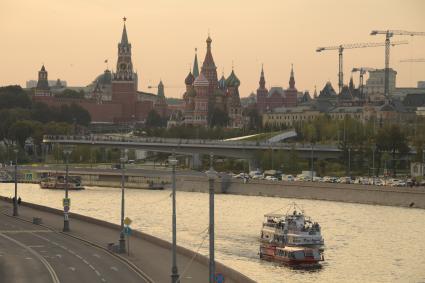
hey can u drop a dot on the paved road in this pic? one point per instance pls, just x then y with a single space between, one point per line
31 253
153 259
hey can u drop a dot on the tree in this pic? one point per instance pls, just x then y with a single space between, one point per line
154 119
69 93
20 131
13 97
219 118
391 139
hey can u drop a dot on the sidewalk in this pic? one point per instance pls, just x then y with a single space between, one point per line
151 255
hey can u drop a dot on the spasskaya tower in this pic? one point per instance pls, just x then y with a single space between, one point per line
124 80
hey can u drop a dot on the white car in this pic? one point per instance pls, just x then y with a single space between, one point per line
270 178
288 178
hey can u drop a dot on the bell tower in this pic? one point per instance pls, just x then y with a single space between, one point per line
124 82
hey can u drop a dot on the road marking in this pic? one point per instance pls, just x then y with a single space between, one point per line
114 268
52 272
24 231
59 255
96 255
80 257
28 258
85 261
72 268
36 246
103 280
97 272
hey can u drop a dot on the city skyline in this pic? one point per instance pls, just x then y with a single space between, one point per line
75 50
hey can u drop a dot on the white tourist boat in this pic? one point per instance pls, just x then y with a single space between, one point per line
293 229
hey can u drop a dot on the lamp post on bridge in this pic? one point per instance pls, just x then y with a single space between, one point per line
349 162
66 201
312 161
373 163
211 177
122 236
174 271
15 201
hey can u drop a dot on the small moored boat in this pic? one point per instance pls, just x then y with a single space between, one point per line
58 182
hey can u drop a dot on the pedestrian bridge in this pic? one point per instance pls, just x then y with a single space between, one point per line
196 147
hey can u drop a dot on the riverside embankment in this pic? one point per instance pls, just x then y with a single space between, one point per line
353 193
192 181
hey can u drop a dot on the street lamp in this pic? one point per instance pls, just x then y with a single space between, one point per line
312 160
66 201
174 272
373 163
211 177
122 236
349 162
15 201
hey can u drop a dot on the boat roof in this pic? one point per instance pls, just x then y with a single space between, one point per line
274 215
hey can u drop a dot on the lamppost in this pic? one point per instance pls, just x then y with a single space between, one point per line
174 271
122 236
66 201
373 163
312 160
211 177
15 201
349 162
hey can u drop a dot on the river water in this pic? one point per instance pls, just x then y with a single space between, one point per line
364 243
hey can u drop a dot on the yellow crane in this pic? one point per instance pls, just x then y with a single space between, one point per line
413 60
388 34
362 71
341 49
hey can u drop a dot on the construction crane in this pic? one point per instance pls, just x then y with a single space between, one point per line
388 34
341 48
413 60
362 71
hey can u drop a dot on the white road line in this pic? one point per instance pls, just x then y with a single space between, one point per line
97 272
72 268
103 280
96 255
52 272
114 268
36 246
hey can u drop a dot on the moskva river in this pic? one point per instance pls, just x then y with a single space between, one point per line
364 243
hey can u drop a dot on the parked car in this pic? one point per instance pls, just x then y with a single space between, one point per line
288 178
271 178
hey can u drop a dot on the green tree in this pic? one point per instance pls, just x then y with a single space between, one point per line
154 119
391 139
219 118
13 97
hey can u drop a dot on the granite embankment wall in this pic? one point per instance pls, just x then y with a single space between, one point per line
397 196
220 268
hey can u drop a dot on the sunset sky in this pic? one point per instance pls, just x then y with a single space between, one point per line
73 38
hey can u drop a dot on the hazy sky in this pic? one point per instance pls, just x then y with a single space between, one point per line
73 38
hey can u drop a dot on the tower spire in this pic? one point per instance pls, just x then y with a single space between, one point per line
195 70
292 78
124 38
262 79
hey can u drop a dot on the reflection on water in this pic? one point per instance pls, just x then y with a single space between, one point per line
363 243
